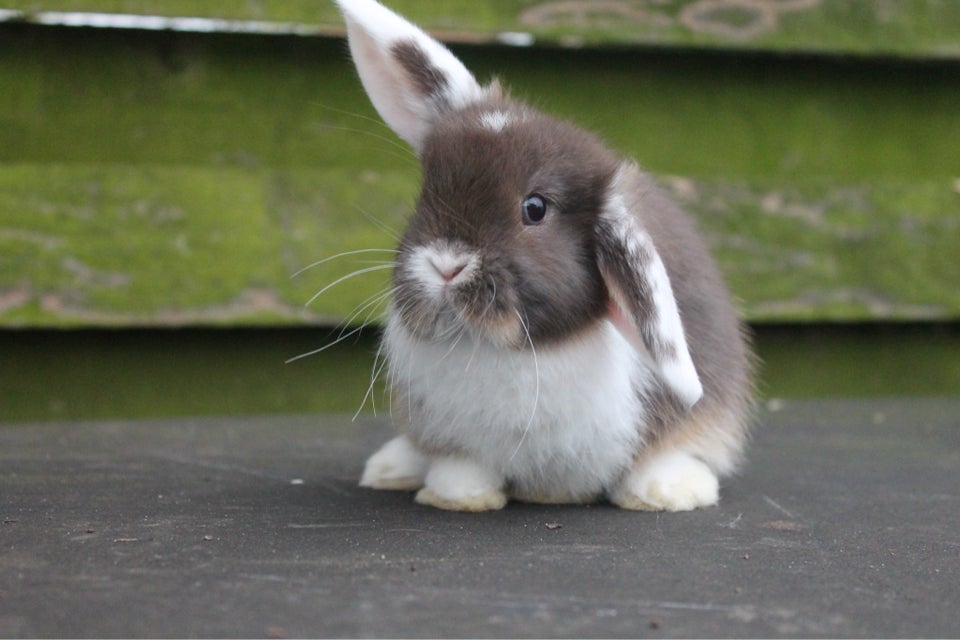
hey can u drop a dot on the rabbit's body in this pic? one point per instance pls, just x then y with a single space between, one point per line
559 424
559 331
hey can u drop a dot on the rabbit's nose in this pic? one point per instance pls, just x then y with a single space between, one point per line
447 269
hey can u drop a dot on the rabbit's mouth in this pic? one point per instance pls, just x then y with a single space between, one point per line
445 292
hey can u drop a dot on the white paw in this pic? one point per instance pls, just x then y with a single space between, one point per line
674 481
397 465
460 485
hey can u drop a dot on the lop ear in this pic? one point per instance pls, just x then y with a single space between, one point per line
642 306
410 77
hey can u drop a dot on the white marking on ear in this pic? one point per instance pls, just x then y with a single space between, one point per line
645 310
396 92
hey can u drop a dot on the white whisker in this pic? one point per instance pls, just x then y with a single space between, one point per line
476 341
359 116
536 393
341 255
453 345
375 373
341 338
354 274
380 224
406 153
369 303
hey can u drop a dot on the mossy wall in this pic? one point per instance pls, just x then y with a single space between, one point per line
165 178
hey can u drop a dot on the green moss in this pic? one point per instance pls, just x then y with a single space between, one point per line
832 26
817 251
155 178
174 245
113 98
98 240
754 118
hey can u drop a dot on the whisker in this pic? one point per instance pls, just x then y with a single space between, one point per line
375 373
536 393
353 114
341 255
380 224
358 272
341 338
453 345
476 342
406 154
369 303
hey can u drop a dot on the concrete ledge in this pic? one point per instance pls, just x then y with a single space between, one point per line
845 523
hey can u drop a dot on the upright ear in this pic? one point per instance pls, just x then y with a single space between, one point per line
643 307
410 77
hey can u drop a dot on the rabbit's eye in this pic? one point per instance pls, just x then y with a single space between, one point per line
534 210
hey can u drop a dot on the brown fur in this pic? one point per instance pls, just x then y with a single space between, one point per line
428 80
474 181
717 340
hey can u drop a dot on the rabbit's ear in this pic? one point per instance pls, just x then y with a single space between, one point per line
642 305
410 77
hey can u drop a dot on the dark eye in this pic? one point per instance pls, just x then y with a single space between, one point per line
534 210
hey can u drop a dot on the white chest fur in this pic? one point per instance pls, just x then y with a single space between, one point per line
559 424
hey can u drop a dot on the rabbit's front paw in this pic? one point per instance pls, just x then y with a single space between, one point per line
397 465
674 481
460 485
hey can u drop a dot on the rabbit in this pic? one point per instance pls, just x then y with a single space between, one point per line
559 332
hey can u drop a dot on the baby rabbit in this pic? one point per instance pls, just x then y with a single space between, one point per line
559 332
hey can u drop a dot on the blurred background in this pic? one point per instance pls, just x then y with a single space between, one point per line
174 176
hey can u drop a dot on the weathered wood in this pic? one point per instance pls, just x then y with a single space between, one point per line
909 28
115 245
152 245
175 179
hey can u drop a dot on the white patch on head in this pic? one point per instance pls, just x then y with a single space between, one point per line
496 121
672 481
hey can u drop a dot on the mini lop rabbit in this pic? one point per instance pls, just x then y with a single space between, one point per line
559 332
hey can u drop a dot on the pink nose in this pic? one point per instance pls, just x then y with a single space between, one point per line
449 273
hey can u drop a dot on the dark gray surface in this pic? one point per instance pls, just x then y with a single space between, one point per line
846 522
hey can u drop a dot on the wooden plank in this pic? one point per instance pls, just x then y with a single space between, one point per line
113 97
181 179
122 245
908 28
822 251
